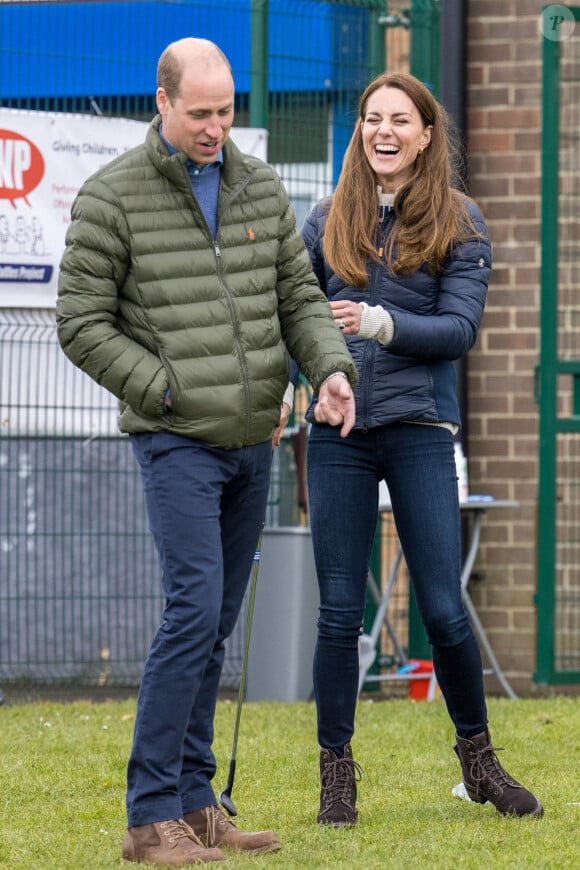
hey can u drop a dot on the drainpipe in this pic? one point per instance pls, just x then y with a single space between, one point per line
453 98
453 60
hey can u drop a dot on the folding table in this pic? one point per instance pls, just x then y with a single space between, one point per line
473 509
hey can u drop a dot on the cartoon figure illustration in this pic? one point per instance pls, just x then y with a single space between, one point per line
21 234
38 247
4 233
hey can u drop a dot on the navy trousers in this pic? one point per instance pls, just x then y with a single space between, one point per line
206 508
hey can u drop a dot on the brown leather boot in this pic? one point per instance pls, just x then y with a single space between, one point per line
213 828
338 779
486 780
167 844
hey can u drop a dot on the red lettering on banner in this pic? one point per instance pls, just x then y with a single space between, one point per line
21 166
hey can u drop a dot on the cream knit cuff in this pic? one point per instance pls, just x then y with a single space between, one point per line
376 322
288 397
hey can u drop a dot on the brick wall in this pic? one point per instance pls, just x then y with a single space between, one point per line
504 87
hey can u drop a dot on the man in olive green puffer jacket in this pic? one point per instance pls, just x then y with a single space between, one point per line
183 286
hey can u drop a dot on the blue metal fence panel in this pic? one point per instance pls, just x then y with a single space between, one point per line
49 50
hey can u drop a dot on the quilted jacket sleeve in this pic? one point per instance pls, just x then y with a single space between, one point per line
93 267
308 328
312 233
451 330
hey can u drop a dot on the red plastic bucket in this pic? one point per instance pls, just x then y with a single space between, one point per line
419 688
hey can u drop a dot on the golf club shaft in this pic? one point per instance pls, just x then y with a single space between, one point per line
250 617
242 689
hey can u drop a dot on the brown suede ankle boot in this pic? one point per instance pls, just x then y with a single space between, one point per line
486 780
213 828
338 779
167 844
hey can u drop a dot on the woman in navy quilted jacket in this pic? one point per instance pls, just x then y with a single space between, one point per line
404 258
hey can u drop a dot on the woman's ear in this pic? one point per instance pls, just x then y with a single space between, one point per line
426 137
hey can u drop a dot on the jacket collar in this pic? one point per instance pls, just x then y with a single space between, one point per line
235 168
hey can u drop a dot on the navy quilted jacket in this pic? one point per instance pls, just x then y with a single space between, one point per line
436 321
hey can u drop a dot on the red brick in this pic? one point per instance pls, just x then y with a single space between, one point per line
512 209
498 29
516 253
489 53
514 72
514 295
513 426
527 94
498 187
527 319
491 8
526 276
497 318
516 164
510 118
476 75
489 446
496 405
526 232
530 49
500 276
498 96
512 340
526 362
524 404
508 383
488 140
529 7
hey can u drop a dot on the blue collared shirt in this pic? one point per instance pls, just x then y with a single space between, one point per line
205 184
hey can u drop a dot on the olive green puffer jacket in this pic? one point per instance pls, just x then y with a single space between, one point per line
148 301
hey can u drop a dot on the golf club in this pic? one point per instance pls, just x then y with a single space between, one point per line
225 797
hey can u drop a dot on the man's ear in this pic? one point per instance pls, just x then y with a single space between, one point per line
161 100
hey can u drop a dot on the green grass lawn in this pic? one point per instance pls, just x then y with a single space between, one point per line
62 786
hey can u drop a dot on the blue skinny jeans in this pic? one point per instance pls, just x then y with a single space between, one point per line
206 507
417 462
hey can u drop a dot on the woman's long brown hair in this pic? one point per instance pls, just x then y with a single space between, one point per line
430 211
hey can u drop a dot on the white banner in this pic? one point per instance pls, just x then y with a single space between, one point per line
44 159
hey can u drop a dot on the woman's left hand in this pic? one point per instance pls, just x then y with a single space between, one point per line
347 315
285 412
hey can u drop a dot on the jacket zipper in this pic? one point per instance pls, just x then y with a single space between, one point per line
218 254
368 356
366 382
371 346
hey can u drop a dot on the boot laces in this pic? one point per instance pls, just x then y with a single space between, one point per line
177 829
338 777
216 818
485 765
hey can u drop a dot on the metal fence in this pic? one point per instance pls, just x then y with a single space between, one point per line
80 595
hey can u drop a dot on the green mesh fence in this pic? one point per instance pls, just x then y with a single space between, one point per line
79 584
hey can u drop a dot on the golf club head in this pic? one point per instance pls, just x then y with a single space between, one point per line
227 803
